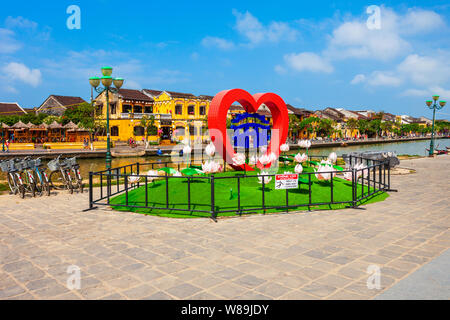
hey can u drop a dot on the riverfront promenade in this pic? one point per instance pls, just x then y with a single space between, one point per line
151 151
304 255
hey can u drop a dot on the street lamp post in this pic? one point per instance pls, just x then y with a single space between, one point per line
107 82
432 104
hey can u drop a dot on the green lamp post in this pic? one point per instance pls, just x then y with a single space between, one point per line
107 82
432 104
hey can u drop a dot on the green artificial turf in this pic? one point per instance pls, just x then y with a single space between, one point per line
226 195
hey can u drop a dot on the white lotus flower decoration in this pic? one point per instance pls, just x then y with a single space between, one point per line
266 179
332 157
238 159
284 147
253 160
300 158
304 144
153 173
177 174
325 162
325 172
133 178
211 167
298 168
265 159
210 150
361 170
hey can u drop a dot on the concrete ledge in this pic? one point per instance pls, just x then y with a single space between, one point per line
21 146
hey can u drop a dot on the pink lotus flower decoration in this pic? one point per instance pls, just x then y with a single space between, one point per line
300 158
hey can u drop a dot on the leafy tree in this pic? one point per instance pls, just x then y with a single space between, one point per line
326 127
149 126
82 113
29 117
386 126
352 124
50 119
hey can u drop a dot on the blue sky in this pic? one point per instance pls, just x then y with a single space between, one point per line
314 54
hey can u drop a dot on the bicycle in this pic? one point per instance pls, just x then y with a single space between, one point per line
27 176
58 175
60 172
71 164
13 177
41 178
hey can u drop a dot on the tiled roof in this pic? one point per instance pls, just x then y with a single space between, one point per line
205 97
328 115
236 107
10 108
67 100
181 95
152 93
173 94
129 94
298 111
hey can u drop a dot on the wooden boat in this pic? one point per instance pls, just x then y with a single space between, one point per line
436 151
124 154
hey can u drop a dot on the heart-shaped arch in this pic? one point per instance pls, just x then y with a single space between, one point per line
217 116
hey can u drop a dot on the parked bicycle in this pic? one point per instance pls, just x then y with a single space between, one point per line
41 178
13 177
27 176
61 177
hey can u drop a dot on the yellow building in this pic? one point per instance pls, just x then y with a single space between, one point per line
177 115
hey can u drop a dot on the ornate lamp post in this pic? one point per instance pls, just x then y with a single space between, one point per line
432 104
107 82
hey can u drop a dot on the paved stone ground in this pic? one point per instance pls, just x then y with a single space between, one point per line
305 255
431 282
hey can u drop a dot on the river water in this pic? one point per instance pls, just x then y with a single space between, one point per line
409 148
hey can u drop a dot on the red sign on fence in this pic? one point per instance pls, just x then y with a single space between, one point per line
286 181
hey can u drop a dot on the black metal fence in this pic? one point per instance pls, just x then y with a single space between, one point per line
374 178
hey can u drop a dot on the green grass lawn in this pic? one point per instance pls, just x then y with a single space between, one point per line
251 195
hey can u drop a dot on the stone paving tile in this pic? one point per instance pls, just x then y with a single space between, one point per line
139 292
228 291
249 281
158 296
318 289
305 255
273 290
183 291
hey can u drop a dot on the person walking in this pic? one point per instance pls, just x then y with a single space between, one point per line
7 145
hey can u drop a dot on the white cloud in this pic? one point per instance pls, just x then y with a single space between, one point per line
353 39
280 69
426 70
381 78
427 93
255 32
7 42
217 43
359 78
20 22
415 93
308 61
417 21
19 71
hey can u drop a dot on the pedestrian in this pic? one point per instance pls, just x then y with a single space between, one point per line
7 145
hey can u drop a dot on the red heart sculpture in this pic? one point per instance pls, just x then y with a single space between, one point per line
217 123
